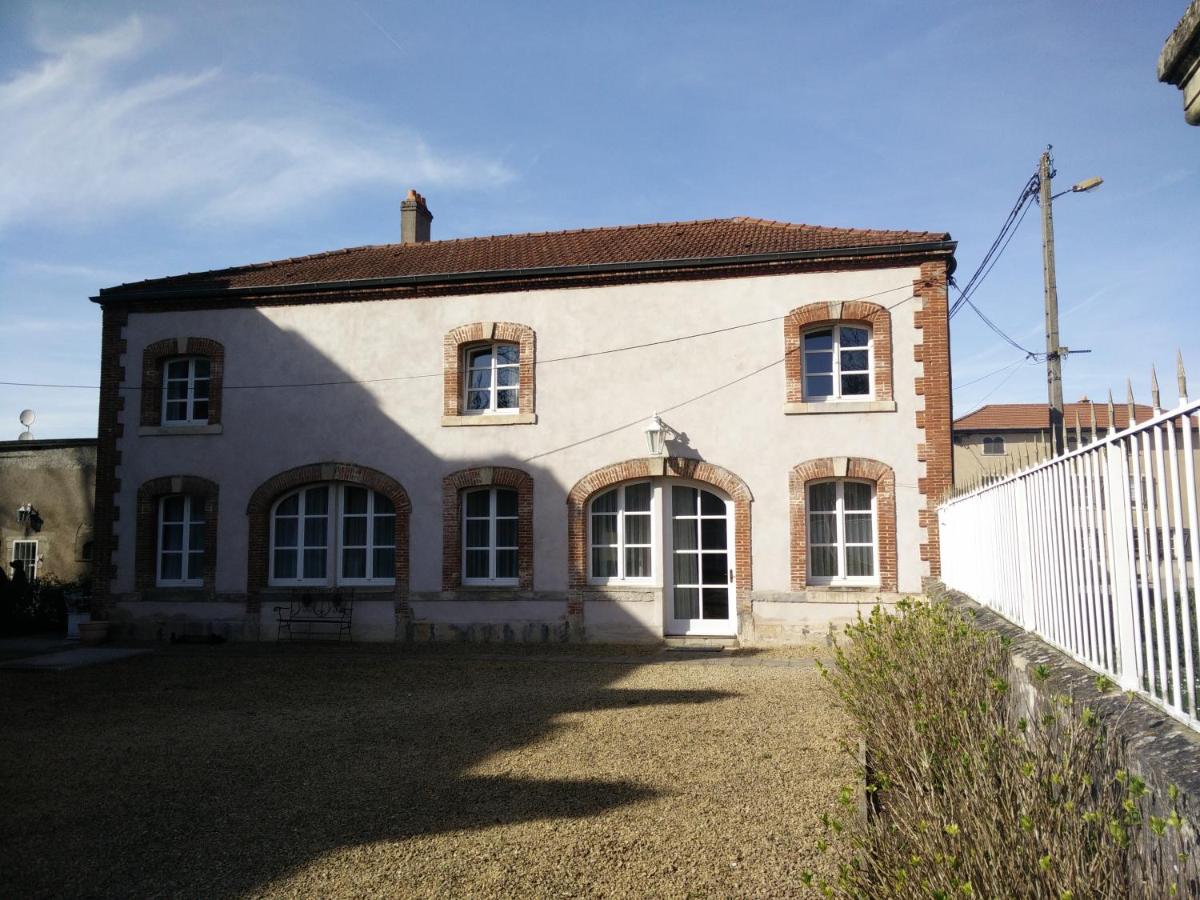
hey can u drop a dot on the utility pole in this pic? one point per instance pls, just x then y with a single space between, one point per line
1053 350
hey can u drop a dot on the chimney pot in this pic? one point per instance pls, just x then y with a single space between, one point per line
414 219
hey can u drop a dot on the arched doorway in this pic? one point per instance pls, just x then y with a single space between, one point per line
698 588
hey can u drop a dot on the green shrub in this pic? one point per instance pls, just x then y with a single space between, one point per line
967 796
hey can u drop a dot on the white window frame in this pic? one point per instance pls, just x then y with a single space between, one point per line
189 504
836 372
840 509
30 573
491 580
494 386
993 441
190 398
333 539
621 546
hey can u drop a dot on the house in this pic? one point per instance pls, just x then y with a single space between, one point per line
733 428
46 493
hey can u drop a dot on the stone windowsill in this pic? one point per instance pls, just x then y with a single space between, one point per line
840 406
497 419
177 430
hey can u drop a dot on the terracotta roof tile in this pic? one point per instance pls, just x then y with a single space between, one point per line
711 238
1036 416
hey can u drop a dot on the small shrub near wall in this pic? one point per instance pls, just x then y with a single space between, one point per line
971 794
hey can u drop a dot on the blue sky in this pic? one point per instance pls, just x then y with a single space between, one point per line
152 139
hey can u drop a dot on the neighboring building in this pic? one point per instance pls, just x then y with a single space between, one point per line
46 494
1179 62
467 452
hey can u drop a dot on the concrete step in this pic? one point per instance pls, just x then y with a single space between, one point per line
714 644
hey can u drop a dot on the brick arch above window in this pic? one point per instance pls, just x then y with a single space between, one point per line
155 357
850 312
452 518
149 496
854 468
673 467
258 510
455 344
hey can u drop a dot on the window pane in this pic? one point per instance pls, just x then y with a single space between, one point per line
354 531
354 563
478 399
637 497
200 389
818 363
480 378
819 340
684 533
857 496
683 501
637 562
383 505
818 386
711 504
314 563
384 563
285 532
172 566
716 603
604 562
480 359
177 368
196 537
823 561
713 534
177 411
478 533
822 528
506 399
506 563
288 507
714 568
853 337
314 532
285 563
506 503
604 530
173 508
687 603
172 537
508 376
354 500
195 566
858 528
606 502
687 568
316 501
200 410
823 496
855 385
508 353
177 390
477 564
200 367
385 531
859 562
637 529
478 503
506 532
854 360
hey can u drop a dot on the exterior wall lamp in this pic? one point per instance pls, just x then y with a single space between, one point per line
656 436
28 514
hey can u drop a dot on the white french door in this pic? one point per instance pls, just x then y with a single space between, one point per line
699 585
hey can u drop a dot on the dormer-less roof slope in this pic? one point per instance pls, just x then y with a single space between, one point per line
599 249
1036 416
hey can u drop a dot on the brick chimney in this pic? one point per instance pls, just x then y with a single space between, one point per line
414 219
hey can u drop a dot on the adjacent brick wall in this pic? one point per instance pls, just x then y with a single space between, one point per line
485 476
812 315
146 550
936 450
458 339
108 430
258 510
884 479
154 358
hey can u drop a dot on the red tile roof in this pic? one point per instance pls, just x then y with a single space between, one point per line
1036 416
707 239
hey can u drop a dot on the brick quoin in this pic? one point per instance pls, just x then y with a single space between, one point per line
851 312
452 517
154 360
458 340
108 431
149 495
674 467
872 470
258 510
936 450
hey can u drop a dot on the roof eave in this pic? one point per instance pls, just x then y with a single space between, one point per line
129 293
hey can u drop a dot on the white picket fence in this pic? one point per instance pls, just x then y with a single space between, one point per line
1096 552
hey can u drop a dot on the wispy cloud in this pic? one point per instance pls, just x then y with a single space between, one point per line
89 135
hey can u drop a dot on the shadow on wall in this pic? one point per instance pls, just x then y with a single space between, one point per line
239 766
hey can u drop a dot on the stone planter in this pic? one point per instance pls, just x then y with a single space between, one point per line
92 633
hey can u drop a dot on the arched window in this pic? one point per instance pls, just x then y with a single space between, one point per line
621 534
181 385
186 382
490 542
837 363
841 532
488 376
993 446
493 379
333 534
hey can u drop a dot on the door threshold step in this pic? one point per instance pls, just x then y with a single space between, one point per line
700 644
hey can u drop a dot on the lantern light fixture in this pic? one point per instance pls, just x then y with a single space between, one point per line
656 436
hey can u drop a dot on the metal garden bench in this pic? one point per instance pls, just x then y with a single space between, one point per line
319 614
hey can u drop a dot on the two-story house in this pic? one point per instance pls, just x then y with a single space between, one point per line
732 427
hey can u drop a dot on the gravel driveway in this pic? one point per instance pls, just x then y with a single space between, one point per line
357 770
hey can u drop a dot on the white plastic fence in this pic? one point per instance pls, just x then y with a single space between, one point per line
1097 553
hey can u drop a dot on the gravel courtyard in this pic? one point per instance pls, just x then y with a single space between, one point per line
370 771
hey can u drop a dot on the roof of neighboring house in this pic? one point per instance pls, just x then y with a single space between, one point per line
731 239
45 444
1036 416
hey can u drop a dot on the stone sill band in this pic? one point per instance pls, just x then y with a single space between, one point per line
855 406
517 419
177 430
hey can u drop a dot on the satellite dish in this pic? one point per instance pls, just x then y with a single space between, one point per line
27 417
25 436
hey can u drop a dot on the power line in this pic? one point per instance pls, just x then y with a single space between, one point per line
1015 216
1003 368
1029 354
